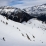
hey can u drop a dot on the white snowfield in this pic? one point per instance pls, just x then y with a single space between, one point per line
32 33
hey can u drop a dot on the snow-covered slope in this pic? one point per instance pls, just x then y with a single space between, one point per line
22 34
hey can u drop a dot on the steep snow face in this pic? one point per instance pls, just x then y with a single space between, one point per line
36 9
22 34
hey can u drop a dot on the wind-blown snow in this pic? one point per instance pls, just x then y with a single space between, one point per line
31 33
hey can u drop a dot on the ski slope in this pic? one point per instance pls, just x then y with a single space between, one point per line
32 33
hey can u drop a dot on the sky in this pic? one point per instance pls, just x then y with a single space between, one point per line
21 3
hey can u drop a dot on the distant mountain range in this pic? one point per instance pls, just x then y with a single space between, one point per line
38 11
19 15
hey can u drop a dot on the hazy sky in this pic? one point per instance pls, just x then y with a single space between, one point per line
21 3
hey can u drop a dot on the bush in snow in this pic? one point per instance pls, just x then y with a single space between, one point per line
3 38
22 34
3 22
33 36
6 23
28 37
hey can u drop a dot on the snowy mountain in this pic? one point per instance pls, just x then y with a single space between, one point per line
38 12
15 14
31 32
18 15
36 9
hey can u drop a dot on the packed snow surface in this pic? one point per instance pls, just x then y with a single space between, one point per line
31 33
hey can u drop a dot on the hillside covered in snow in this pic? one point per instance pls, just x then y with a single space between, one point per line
25 27
32 33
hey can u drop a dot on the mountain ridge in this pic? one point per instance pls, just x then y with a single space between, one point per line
20 15
15 14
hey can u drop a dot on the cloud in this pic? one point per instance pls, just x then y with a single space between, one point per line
21 3
4 2
30 3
